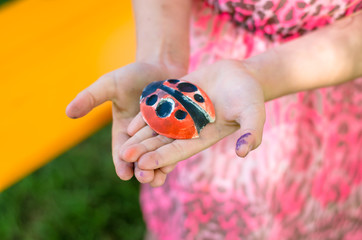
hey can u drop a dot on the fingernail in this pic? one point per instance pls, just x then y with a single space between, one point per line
66 113
241 141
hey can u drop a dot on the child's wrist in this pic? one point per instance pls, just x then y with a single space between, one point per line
253 68
247 69
174 66
178 61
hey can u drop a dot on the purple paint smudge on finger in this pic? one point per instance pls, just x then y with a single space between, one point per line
242 141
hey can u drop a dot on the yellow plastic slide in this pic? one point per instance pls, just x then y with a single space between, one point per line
49 51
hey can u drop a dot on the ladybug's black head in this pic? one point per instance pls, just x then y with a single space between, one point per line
150 88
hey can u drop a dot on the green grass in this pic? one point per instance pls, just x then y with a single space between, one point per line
76 196
5 1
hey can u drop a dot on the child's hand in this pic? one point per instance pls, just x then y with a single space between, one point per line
239 104
123 87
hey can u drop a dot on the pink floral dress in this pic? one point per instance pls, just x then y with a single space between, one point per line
305 179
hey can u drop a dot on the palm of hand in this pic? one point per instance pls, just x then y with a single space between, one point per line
123 87
239 103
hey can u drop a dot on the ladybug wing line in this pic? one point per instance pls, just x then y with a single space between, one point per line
198 114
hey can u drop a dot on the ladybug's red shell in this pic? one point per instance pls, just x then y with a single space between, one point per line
176 109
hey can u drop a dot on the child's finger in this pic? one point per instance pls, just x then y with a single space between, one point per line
168 168
133 152
124 169
143 134
159 179
180 149
99 92
143 176
136 124
251 130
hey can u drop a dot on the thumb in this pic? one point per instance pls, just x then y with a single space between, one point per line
251 129
99 92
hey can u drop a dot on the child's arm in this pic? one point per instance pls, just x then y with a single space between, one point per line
328 56
163 31
162 52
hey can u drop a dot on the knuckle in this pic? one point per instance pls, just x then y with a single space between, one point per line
178 147
163 140
90 95
136 138
140 149
150 158
109 83
144 147
167 169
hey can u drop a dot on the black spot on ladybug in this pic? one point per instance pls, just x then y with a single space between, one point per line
152 87
173 81
180 115
164 108
187 87
151 100
199 98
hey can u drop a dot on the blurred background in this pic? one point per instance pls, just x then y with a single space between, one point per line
75 196
57 179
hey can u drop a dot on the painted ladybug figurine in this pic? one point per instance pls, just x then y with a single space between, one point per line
176 109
